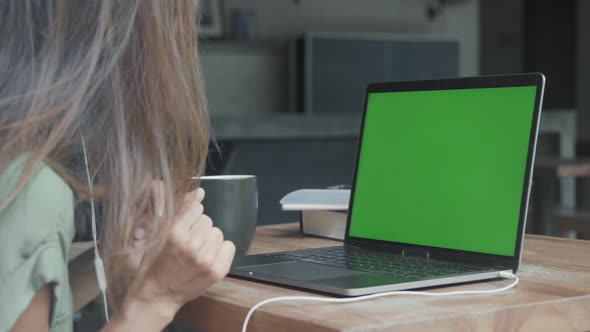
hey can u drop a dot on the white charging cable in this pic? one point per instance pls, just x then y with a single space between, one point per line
505 275
98 264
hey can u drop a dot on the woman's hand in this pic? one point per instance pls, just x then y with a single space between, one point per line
194 257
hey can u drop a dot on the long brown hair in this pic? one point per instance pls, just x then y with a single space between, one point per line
126 75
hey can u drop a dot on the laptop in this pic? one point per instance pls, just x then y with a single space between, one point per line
440 191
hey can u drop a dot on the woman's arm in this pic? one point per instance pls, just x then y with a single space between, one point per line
141 316
37 315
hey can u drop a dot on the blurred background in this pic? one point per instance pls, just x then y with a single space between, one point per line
286 79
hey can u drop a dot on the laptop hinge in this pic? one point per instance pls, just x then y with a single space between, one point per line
416 252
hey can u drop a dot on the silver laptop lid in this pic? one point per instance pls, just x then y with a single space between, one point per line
446 166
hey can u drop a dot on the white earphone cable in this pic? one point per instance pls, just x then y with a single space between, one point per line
98 263
374 296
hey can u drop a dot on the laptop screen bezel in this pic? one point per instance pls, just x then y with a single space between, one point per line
534 79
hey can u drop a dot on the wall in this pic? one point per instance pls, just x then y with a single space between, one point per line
502 35
230 69
248 78
278 19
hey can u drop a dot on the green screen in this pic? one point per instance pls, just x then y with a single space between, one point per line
444 168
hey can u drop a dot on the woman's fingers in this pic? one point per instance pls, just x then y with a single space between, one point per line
224 260
200 194
195 195
212 245
199 234
158 196
189 215
192 209
139 233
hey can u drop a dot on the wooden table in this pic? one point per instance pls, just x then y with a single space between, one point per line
554 295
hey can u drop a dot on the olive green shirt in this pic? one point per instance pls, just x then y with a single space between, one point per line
36 230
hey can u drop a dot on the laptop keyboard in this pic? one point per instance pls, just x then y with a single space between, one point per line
381 263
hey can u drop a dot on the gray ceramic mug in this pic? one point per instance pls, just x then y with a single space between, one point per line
232 203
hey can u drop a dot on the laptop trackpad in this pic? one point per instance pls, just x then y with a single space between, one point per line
300 271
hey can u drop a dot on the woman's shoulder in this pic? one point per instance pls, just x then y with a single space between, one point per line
44 206
44 187
36 231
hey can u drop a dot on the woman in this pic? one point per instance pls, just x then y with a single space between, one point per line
124 76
